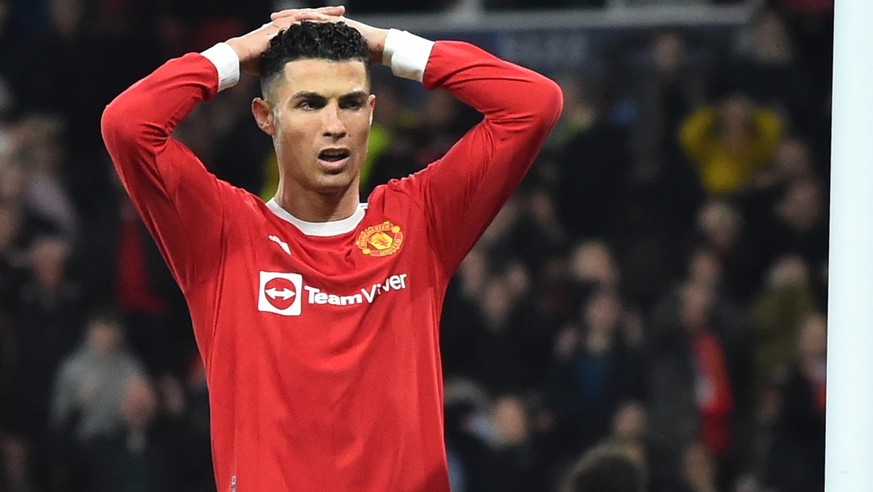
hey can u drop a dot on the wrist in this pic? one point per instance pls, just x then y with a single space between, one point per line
227 63
376 41
239 48
406 54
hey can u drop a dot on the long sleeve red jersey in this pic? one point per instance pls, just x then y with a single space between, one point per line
321 341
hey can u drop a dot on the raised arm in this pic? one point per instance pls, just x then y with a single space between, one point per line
180 202
470 184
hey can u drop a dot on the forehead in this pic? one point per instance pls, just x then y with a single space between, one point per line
325 77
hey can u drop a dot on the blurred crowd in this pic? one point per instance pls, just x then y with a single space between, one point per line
657 284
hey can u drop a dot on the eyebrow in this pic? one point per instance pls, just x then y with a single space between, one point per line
314 96
354 96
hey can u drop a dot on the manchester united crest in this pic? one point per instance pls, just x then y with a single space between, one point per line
380 240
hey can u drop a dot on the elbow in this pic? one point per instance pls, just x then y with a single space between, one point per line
117 134
114 127
544 101
552 102
120 125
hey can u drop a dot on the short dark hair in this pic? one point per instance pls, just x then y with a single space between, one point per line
334 41
605 468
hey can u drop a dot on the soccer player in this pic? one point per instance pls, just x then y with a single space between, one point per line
317 316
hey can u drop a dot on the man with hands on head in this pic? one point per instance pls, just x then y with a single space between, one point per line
316 315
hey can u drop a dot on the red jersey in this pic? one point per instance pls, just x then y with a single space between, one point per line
321 341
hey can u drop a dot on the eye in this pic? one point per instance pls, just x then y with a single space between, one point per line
352 104
310 104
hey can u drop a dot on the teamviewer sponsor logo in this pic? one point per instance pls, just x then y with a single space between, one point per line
280 293
284 293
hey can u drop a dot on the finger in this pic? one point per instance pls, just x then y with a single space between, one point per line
286 22
304 16
322 18
334 10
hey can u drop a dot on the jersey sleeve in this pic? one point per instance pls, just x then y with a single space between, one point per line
464 190
178 199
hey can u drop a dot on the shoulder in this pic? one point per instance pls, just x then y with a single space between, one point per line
399 192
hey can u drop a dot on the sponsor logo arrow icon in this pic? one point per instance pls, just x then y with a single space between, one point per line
283 294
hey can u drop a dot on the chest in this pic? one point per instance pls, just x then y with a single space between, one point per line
288 273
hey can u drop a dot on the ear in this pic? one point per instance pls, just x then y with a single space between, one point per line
263 115
371 101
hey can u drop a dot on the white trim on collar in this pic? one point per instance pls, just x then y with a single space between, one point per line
322 229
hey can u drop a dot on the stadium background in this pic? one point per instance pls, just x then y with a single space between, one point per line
658 281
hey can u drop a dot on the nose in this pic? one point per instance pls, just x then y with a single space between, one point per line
334 127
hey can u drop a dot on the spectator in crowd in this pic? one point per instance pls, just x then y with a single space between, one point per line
135 455
91 380
42 155
796 461
508 358
765 67
467 435
787 298
592 266
606 468
538 234
47 326
518 464
691 393
89 384
730 141
597 366
792 162
722 231
699 470
799 224
630 429
17 178
671 87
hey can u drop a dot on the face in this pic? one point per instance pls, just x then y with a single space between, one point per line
319 115
104 336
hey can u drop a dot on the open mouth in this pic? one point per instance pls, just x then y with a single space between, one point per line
333 155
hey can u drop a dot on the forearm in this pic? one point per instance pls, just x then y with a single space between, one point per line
143 117
505 93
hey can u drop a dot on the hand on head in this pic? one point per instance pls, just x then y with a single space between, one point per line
375 36
249 47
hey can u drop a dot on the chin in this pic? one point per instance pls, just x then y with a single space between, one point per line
333 184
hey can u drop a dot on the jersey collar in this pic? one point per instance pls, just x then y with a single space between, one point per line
323 229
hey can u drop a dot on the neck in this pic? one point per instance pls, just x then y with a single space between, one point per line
313 206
